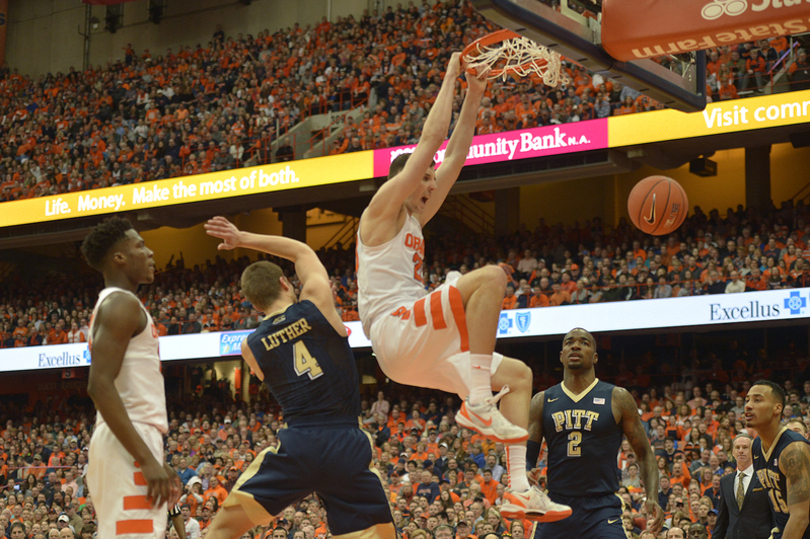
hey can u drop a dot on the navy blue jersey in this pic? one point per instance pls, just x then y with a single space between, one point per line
583 440
767 468
308 367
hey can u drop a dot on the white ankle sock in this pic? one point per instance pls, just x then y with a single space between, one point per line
481 378
516 463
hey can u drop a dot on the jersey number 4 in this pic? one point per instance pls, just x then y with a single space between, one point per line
305 363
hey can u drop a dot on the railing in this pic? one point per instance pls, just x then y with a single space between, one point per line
345 235
630 292
468 213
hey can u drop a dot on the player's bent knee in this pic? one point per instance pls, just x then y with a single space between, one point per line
524 376
514 373
496 276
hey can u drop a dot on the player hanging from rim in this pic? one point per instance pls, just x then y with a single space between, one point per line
301 351
781 460
444 340
583 421
128 474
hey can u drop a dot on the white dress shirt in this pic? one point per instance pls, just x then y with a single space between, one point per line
748 473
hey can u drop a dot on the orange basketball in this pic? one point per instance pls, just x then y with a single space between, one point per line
657 205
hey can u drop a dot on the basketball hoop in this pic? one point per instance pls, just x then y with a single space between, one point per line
508 53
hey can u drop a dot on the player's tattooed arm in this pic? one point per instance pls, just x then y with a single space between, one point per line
536 418
634 432
795 464
535 436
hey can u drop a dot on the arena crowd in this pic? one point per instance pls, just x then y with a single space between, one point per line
434 472
221 105
747 250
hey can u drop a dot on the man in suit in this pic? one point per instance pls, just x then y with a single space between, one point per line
757 520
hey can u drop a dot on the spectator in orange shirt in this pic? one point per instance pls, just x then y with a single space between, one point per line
539 299
727 90
754 69
628 107
215 490
559 297
510 301
567 284
489 486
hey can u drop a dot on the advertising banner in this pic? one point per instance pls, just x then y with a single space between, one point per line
648 28
718 118
212 186
521 144
721 309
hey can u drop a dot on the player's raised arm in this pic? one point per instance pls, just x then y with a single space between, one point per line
314 279
634 431
459 145
795 464
387 202
117 320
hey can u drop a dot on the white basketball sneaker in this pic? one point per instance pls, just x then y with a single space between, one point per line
533 504
485 419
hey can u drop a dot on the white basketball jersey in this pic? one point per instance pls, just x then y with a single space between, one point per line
140 382
390 275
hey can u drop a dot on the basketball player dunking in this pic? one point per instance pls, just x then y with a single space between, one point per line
583 421
781 460
301 351
128 476
445 340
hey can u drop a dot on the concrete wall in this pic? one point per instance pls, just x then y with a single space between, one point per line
43 35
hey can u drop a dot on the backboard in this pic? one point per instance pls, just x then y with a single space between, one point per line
677 81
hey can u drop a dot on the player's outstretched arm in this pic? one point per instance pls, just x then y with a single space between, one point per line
248 356
634 431
459 145
535 441
119 318
795 464
387 202
311 272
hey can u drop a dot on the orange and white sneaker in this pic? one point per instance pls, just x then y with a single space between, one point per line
485 419
533 504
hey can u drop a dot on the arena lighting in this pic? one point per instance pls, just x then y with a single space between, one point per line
157 9
114 18
703 167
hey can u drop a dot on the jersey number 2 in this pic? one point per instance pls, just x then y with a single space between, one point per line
305 363
417 268
574 439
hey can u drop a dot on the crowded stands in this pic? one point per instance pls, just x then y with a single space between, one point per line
220 106
747 250
434 472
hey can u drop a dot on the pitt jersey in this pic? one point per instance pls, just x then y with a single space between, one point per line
308 367
582 435
767 469
390 275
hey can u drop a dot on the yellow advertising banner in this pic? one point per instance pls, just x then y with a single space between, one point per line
212 186
718 118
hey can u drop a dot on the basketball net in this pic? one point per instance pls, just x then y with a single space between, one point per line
508 53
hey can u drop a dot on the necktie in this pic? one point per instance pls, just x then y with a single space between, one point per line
740 491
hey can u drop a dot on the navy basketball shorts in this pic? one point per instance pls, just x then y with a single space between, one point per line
330 457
